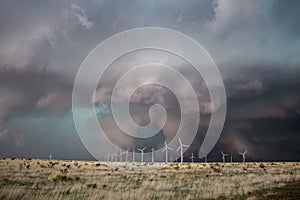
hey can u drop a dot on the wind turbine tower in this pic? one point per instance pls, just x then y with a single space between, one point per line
142 155
133 155
192 157
152 158
166 150
244 155
223 156
126 155
116 157
121 156
181 146
172 159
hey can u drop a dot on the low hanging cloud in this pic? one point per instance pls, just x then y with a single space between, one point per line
25 91
59 101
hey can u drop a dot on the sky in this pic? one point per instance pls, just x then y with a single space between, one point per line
255 44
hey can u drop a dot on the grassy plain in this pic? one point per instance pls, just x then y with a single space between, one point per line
58 179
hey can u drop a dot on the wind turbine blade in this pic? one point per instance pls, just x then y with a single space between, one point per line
179 148
245 152
180 141
170 148
163 150
185 145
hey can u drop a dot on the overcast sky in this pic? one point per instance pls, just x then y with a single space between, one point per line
255 44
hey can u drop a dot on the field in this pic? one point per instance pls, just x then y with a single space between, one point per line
58 179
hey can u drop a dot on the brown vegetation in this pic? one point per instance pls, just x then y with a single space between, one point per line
44 179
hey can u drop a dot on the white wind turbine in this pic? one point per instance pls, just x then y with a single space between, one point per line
121 156
116 157
192 157
205 158
126 155
166 150
181 146
244 155
152 156
133 155
111 157
172 159
223 156
142 155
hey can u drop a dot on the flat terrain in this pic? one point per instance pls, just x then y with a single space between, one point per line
58 179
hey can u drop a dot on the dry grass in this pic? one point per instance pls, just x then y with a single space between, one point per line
56 179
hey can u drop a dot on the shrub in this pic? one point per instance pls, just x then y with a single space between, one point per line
63 177
92 185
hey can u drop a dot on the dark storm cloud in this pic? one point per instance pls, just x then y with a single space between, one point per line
255 44
263 104
25 91
265 92
261 72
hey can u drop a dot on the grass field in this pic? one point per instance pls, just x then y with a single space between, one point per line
58 179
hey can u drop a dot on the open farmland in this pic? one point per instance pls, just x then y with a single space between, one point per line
58 179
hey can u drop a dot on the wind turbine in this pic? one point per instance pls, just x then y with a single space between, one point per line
50 157
166 150
172 159
126 154
116 157
205 158
142 151
133 155
152 158
230 157
244 155
181 146
223 156
192 157
121 156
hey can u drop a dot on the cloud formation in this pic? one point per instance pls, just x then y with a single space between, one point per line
83 20
255 45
